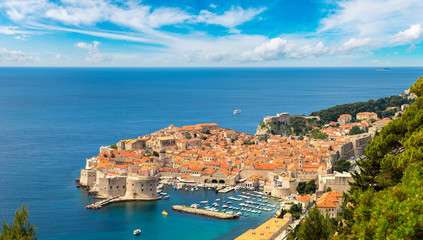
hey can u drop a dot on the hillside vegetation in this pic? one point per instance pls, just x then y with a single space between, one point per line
376 106
385 199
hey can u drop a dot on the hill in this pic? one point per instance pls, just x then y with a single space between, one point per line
377 106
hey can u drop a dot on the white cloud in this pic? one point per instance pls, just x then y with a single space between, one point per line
213 5
7 56
230 19
94 55
375 18
271 50
411 35
9 30
309 50
354 43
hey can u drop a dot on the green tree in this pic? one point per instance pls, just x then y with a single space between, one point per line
310 187
301 186
386 194
315 226
113 146
342 165
356 130
306 187
296 210
20 229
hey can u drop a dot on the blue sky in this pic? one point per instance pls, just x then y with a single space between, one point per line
211 33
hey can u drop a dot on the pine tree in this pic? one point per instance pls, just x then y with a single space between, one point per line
21 229
315 226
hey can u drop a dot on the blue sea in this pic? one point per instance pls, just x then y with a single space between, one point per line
51 119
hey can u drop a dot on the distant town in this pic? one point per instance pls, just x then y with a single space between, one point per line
208 155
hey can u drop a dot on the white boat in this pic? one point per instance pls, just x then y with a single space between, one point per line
217 200
237 111
204 202
137 231
166 197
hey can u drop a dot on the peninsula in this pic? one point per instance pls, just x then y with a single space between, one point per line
207 154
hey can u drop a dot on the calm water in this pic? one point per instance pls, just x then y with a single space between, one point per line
52 119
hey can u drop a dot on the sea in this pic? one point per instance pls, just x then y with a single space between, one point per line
52 119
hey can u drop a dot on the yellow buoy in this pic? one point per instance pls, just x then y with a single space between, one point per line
164 213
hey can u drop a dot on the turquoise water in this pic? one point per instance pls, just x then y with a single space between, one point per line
122 218
51 119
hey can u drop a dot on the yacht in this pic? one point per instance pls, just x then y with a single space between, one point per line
237 111
204 202
137 231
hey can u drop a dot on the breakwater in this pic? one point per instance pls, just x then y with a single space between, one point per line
204 212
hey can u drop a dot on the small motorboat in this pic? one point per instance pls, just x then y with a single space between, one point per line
137 231
164 213
237 111
204 202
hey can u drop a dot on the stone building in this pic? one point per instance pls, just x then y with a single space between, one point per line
344 119
111 186
88 177
330 203
338 182
141 188
366 115
131 144
280 117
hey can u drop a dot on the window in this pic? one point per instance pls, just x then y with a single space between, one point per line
151 189
142 189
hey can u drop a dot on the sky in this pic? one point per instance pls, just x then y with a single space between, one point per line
211 33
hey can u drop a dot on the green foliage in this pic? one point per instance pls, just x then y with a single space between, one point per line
20 229
389 113
156 154
113 146
356 130
342 165
249 143
317 134
377 106
204 137
387 193
395 213
315 226
112 155
296 210
207 132
298 126
306 187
